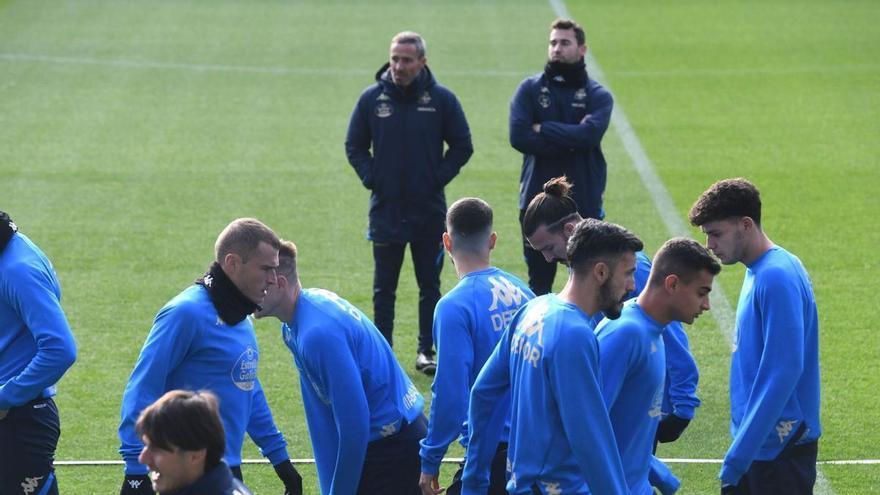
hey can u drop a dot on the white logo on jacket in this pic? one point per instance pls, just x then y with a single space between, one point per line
783 429
30 484
244 372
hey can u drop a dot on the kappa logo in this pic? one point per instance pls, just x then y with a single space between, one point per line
783 429
544 89
505 292
425 98
552 488
208 280
383 97
13 226
29 485
388 430
135 483
580 94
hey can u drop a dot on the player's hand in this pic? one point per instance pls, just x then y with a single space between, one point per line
293 482
136 484
3 413
430 484
671 428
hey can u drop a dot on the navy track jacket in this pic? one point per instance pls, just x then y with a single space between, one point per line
395 144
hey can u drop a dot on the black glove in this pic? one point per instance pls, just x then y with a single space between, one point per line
293 482
136 484
728 489
670 428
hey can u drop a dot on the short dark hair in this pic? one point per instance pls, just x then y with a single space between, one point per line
287 260
562 23
469 221
553 207
595 240
726 199
411 38
684 258
242 236
185 420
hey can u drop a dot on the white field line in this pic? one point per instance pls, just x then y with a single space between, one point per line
456 460
241 69
721 309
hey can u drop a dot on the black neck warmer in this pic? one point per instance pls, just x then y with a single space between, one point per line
231 304
569 75
7 228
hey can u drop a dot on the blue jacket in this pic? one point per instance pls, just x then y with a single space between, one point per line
217 481
633 368
191 348
774 371
468 322
36 344
565 145
353 389
395 144
546 366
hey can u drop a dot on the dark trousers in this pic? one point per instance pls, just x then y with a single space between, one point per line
392 465
497 474
28 438
541 272
427 256
792 473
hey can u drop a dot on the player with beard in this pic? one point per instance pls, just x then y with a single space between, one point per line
557 120
545 374
632 351
547 225
203 339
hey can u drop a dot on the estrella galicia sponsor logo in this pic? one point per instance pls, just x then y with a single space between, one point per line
244 372
384 110
783 429
528 338
544 101
506 299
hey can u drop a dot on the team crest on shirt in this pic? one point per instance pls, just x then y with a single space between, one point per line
580 94
425 98
384 110
544 101
244 372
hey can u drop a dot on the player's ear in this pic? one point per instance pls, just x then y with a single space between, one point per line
231 261
493 238
601 271
447 242
671 282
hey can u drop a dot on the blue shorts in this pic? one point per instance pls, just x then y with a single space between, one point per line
28 438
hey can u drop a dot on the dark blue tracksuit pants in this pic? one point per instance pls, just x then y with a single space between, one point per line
28 438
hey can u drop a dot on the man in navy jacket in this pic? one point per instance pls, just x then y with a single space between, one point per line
395 144
557 120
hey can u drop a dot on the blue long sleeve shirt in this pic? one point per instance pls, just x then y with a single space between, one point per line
191 348
633 369
546 366
774 370
573 122
36 344
353 389
468 321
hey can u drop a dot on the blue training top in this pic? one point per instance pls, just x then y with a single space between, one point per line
36 344
774 370
633 367
353 389
191 348
468 321
547 366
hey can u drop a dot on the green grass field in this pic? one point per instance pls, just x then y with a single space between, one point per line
132 132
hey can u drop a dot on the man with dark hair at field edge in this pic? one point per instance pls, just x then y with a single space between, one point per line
547 225
404 119
36 349
183 446
468 322
632 352
774 370
545 374
557 120
203 339
364 414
